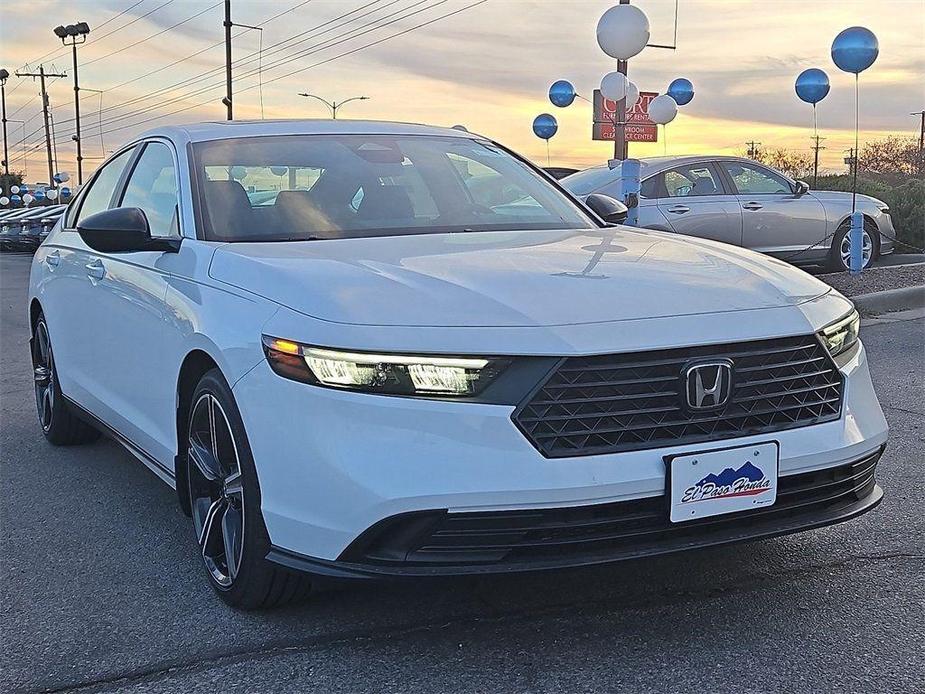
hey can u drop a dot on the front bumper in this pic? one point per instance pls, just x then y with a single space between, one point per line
438 543
335 468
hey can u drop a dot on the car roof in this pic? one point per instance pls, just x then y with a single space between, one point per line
652 165
222 130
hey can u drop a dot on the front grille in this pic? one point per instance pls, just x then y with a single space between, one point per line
616 530
623 402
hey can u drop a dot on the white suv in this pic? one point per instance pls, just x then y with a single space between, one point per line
370 349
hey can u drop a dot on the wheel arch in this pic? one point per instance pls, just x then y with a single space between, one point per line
195 365
846 220
35 308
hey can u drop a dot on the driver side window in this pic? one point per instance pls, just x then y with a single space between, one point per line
152 187
99 194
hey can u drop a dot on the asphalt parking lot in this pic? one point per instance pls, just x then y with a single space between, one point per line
102 589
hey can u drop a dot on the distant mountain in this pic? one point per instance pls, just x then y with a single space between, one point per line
729 476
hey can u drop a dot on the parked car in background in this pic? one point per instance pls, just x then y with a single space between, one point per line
399 366
742 202
23 229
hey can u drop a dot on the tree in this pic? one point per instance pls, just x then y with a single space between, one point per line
14 178
793 163
894 158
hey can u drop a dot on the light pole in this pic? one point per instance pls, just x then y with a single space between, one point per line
73 35
334 105
6 156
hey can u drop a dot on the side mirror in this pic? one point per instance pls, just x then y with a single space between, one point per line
607 208
122 230
801 188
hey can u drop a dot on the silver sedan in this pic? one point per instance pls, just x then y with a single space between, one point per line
742 202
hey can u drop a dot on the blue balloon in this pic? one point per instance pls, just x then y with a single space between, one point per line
812 85
56 178
40 195
855 49
562 93
15 198
681 90
545 126
65 192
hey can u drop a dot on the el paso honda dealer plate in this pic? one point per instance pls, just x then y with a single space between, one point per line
709 483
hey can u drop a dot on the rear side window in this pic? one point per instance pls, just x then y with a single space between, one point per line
103 185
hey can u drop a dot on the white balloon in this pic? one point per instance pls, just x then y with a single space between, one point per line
14 189
27 199
632 95
64 177
623 31
51 194
613 86
662 109
4 200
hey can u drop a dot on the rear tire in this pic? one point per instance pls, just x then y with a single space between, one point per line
59 424
837 261
225 503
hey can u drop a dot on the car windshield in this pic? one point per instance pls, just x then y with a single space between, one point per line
588 181
309 187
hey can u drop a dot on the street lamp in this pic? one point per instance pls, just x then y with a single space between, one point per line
73 35
334 105
6 156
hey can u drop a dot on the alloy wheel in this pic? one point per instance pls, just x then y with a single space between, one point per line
43 366
216 490
867 248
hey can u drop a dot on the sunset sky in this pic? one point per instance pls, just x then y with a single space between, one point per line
488 67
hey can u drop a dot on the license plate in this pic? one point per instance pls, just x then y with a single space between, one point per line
710 483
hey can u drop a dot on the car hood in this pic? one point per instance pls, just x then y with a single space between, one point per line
511 279
840 196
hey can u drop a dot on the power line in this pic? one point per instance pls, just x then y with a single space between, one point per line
141 41
71 120
286 59
97 27
201 77
328 60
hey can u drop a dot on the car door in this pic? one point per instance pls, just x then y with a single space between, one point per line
67 295
129 350
693 199
775 220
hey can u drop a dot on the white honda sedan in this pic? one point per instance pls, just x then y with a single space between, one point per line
370 349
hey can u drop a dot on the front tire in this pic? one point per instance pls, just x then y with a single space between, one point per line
59 424
225 503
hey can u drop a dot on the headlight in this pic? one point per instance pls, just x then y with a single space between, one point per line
842 334
389 374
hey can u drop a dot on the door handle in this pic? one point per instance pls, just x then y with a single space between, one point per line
679 209
53 259
96 270
752 206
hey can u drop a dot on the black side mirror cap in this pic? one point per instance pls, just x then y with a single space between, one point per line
122 230
611 210
800 188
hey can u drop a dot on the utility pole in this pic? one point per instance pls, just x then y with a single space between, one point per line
852 161
77 33
753 149
6 155
816 147
41 74
228 24
921 141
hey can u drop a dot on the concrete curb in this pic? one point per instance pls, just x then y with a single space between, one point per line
890 300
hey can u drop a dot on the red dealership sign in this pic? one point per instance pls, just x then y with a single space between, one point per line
638 126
